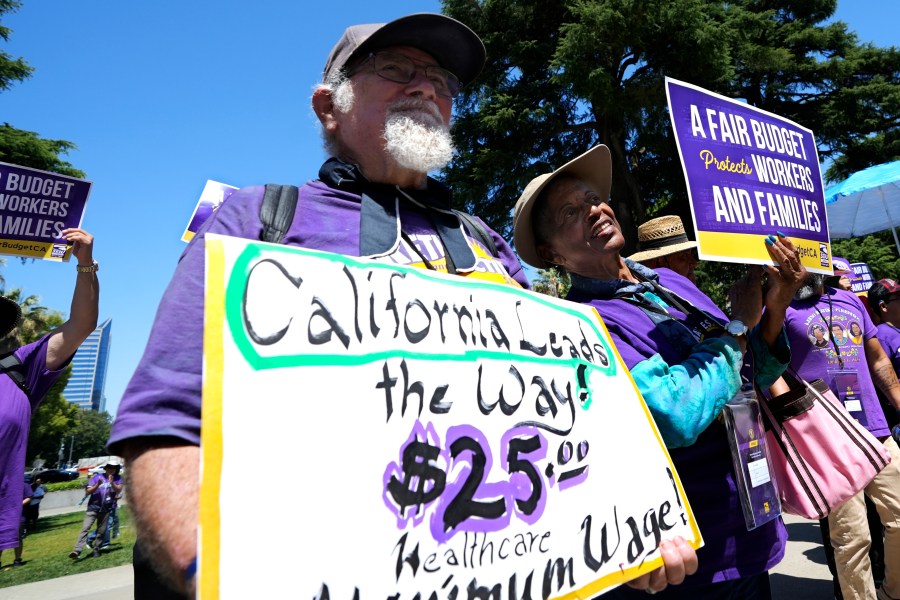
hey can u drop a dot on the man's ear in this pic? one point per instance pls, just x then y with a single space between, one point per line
324 108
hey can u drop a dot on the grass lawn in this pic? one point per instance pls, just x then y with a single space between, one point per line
46 550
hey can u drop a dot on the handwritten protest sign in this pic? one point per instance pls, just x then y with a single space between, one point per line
214 193
750 174
35 207
442 436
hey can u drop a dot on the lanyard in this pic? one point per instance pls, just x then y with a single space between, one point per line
698 318
830 332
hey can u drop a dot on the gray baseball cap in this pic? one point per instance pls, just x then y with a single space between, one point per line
453 45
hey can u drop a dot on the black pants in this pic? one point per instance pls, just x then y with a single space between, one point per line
148 585
31 516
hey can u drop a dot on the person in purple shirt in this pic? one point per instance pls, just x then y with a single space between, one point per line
102 491
384 106
656 320
42 362
853 369
883 297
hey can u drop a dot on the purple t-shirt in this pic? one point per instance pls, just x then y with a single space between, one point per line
889 336
705 467
15 421
819 328
163 397
104 497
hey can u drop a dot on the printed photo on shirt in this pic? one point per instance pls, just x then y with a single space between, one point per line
837 334
817 336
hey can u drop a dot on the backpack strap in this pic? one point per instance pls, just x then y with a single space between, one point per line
280 203
277 211
475 227
12 366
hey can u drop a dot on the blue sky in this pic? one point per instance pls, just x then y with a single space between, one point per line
161 96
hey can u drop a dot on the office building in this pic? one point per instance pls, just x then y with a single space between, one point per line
85 386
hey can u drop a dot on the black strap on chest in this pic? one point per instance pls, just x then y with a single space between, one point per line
280 203
277 211
12 366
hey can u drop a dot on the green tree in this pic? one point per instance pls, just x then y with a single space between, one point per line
18 146
564 75
51 423
36 320
876 250
91 432
552 282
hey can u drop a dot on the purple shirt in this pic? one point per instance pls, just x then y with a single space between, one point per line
889 337
104 497
818 329
15 421
705 467
163 397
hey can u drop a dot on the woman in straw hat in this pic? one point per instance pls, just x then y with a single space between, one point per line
657 321
663 242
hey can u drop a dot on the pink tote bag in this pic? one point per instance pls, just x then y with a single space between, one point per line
821 456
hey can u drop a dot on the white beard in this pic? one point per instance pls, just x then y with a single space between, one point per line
416 137
810 287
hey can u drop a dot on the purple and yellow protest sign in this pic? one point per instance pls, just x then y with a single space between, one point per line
749 174
862 278
214 193
35 207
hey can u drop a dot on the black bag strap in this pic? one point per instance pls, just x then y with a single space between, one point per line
474 227
277 211
12 366
280 203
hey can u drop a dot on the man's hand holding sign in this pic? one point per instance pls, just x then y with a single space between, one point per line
36 209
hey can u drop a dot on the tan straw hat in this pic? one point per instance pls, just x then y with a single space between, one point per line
661 236
593 167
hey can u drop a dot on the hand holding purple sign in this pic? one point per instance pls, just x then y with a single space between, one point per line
36 208
749 173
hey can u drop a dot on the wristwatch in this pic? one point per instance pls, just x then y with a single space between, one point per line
736 328
91 268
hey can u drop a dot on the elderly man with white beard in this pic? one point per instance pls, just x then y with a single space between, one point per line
384 105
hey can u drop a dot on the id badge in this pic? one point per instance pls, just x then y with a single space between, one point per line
756 486
845 385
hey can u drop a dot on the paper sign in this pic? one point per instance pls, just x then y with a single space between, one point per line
749 174
214 193
443 437
35 207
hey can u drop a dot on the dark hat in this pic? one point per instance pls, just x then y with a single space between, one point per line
593 167
10 314
661 236
882 290
453 45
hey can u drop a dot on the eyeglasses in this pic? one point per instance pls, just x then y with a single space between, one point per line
402 69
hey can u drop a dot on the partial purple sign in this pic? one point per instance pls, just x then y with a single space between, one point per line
749 174
35 207
862 277
214 193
